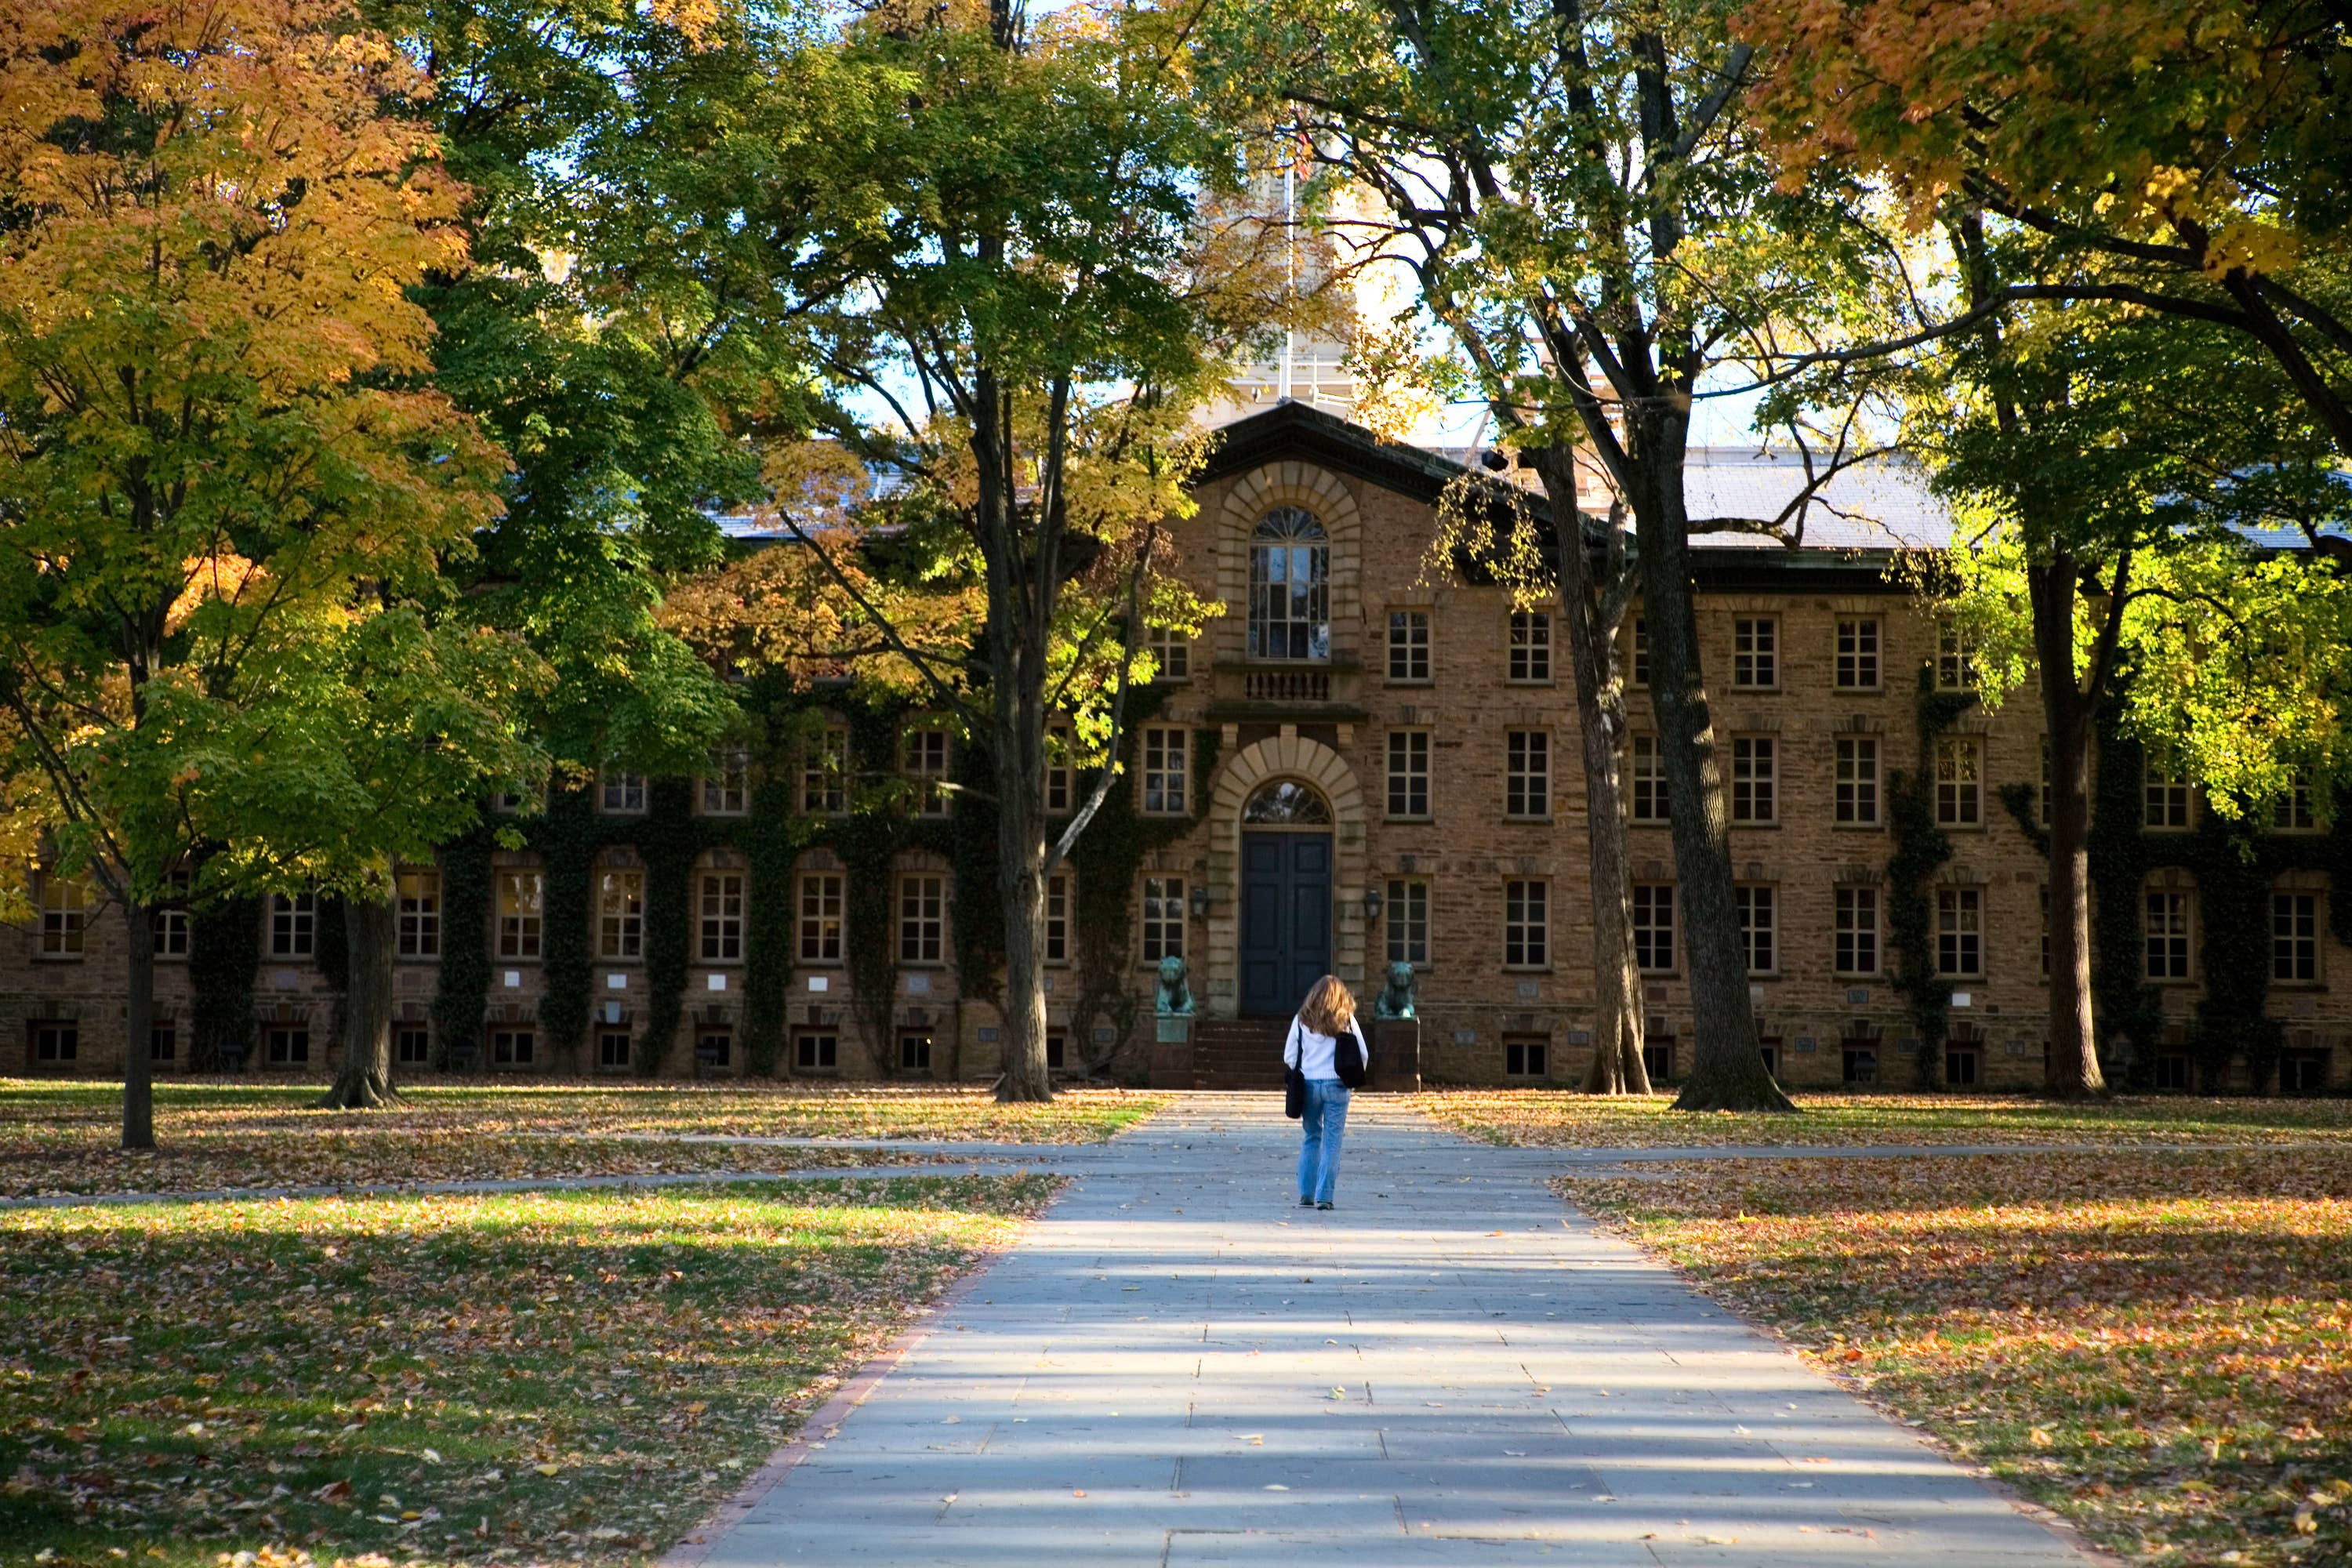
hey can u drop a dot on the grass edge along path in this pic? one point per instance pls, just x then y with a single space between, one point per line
2159 1348
545 1377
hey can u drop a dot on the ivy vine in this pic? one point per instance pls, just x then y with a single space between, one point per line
1921 849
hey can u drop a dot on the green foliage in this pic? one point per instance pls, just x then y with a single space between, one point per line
223 951
464 994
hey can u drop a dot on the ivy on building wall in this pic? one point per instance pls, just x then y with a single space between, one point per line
465 969
224 952
1921 849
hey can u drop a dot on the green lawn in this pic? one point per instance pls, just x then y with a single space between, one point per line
1557 1118
2158 1346
59 1136
548 1377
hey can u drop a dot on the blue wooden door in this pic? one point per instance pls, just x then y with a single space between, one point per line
1286 918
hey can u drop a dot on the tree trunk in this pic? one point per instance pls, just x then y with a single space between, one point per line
138 1027
1726 1068
2074 1070
364 1080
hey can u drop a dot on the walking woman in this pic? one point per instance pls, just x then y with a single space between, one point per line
1327 1050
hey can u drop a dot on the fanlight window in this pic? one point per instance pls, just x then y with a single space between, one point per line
1290 587
1286 804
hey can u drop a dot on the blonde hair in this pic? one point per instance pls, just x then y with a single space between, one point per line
1329 1006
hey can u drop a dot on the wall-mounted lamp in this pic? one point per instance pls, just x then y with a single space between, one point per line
1371 903
1200 902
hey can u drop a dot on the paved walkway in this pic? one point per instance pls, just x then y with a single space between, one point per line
1179 1368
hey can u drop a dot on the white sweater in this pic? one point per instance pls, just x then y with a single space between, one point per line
1316 1056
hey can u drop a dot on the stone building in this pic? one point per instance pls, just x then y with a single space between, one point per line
1366 759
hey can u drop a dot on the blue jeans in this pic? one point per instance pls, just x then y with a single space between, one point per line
1320 1131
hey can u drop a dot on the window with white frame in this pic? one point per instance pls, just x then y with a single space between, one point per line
293 925
2295 937
65 916
1647 785
1166 777
416 910
2292 811
521 899
1172 653
1960 930
1857 781
1955 658
922 917
924 759
1754 793
1653 927
1758 926
2165 924
1856 950
1408 772
727 787
1755 651
621 794
1059 740
825 773
1407 920
170 932
621 915
1409 645
1959 782
1527 772
822 901
1163 918
1057 917
2164 792
1857 653
1527 923
1290 587
1530 660
720 917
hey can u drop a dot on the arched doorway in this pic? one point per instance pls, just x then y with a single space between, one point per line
1286 903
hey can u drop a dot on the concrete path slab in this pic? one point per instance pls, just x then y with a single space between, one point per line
1179 1367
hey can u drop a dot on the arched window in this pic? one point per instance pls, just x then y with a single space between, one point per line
1286 804
1290 587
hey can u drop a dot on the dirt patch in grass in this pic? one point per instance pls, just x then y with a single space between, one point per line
1558 1118
546 1377
2158 1346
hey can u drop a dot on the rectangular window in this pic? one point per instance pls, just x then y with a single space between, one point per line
51 1043
1057 1050
1857 931
1648 785
172 917
412 1045
417 914
1409 645
287 1045
293 925
822 896
1658 1057
1525 1057
727 787
2167 927
162 1042
1527 772
1756 926
2294 937
2165 791
1640 660
1860 1064
817 1050
621 915
1653 927
1408 772
1172 654
1058 741
1857 780
1959 783
1753 798
622 795
914 1053
1527 924
2291 813
1163 918
714 1048
1956 659
1960 1066
1164 774
1408 917
1755 651
1057 917
613 1049
1857 653
520 897
723 917
922 918
824 774
1960 930
924 761
2172 1069
513 1048
1530 646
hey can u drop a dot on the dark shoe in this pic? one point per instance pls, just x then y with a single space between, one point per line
1307 1202
1325 1205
